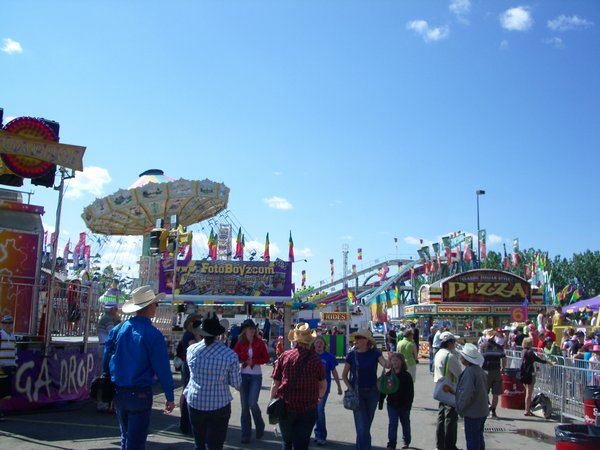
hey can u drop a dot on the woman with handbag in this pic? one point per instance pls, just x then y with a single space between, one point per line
299 378
399 401
360 377
252 353
528 372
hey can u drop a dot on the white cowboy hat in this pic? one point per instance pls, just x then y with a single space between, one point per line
302 334
366 333
140 298
471 354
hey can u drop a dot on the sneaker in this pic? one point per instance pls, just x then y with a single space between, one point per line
493 413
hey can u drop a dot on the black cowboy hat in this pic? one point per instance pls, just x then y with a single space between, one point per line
210 326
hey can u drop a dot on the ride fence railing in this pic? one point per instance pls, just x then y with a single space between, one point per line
563 381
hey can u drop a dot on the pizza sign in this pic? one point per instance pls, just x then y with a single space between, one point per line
486 286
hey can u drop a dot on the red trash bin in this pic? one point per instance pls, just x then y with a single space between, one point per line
513 391
577 437
591 405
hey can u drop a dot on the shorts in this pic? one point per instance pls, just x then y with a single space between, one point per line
494 381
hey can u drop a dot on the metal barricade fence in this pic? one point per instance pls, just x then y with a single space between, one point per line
563 382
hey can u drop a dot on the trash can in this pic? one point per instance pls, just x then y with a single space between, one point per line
591 405
513 391
577 437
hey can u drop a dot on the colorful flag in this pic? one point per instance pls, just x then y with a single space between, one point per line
515 261
243 247
238 244
52 237
482 246
351 297
267 256
331 266
303 278
577 293
86 255
291 249
45 239
468 256
66 252
353 269
360 254
211 238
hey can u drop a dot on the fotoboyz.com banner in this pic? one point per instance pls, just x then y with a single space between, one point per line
241 278
63 375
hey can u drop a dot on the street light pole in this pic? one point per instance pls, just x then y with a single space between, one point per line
478 193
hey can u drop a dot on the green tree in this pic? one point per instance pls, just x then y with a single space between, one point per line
586 272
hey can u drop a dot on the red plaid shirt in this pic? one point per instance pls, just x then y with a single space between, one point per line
304 394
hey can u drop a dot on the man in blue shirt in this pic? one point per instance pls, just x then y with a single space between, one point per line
135 353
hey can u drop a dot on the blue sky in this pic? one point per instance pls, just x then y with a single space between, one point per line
368 120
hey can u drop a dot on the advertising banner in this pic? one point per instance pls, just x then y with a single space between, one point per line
492 286
235 278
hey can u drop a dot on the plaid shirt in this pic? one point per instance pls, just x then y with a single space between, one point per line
213 368
304 394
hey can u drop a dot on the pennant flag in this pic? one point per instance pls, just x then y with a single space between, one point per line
303 278
291 249
351 297
267 256
52 237
331 265
353 269
397 293
86 254
577 293
211 238
468 256
515 252
238 245
482 246
66 252
243 247
45 239
360 254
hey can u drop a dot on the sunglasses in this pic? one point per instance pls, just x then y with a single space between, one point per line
359 337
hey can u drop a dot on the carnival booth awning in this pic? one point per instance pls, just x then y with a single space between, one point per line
590 303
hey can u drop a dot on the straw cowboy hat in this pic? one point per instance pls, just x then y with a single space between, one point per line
191 318
471 354
302 334
366 333
210 326
140 298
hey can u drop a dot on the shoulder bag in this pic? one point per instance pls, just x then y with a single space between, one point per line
444 390
276 408
351 399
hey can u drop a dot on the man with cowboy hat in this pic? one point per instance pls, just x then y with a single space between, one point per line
8 357
472 397
134 354
299 378
213 368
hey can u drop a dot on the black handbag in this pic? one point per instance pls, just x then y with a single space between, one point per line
102 388
276 409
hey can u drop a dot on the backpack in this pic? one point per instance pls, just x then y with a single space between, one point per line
541 405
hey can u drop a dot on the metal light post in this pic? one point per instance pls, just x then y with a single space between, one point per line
478 193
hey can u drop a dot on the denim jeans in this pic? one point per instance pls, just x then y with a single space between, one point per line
474 433
296 428
363 416
447 425
321 427
210 427
133 407
403 414
249 391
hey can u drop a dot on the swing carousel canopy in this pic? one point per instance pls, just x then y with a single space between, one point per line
154 196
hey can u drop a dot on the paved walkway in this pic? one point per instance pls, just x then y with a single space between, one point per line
78 426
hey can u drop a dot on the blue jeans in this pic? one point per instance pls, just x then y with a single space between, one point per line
133 407
249 391
474 433
363 416
394 414
210 427
296 428
321 427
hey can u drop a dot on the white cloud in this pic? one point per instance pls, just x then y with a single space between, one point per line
90 181
9 46
410 240
277 203
504 45
565 23
347 237
259 248
555 41
460 8
493 239
516 19
422 28
303 253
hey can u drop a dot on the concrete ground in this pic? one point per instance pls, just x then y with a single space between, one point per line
79 426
